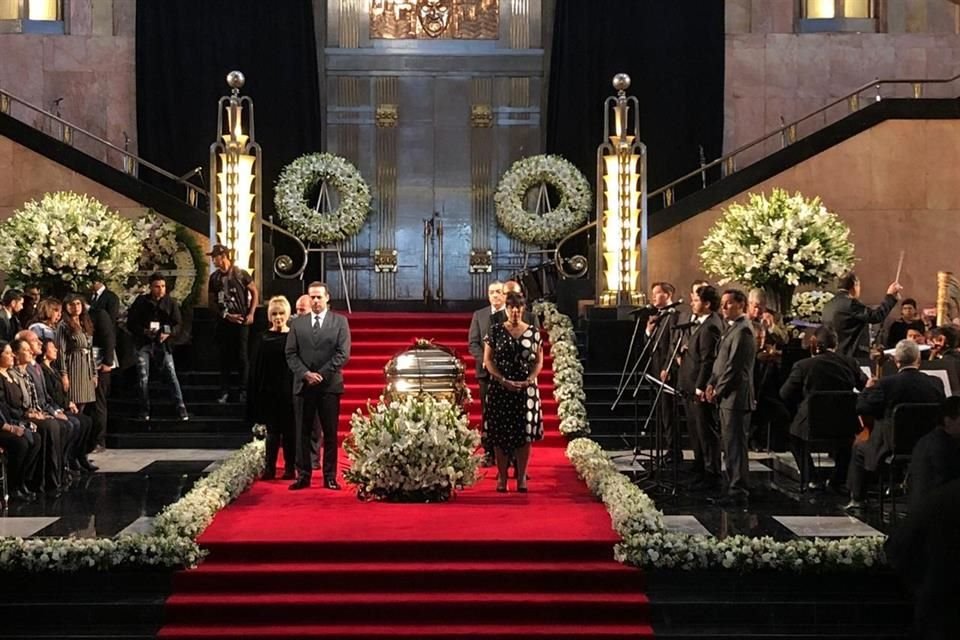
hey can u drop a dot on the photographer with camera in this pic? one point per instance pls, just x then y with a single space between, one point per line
152 319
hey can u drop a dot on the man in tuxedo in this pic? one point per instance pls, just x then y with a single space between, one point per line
102 299
731 388
851 319
318 346
479 328
825 371
105 358
878 400
659 330
696 366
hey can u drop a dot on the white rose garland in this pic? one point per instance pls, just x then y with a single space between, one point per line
304 173
567 370
528 227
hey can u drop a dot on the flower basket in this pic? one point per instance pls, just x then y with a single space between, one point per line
777 243
419 449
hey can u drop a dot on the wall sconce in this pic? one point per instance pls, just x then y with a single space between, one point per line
621 203
236 198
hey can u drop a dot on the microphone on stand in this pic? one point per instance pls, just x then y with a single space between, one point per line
684 326
670 308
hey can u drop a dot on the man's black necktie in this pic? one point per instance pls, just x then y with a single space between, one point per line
316 324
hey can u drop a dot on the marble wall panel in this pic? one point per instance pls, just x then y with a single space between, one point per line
893 187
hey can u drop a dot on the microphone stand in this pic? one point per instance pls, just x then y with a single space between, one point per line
658 483
655 341
624 380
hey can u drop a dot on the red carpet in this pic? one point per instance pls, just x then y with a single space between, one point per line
321 564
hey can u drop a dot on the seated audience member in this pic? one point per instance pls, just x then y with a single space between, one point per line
45 323
827 370
16 397
53 381
923 549
936 456
76 429
878 400
909 319
152 319
10 306
19 440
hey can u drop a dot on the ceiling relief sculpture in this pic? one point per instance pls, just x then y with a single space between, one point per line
435 19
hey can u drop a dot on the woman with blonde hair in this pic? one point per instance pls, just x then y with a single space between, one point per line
270 390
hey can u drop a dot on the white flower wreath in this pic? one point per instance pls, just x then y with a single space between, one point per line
550 227
304 173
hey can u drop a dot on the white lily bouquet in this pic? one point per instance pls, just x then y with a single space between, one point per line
419 449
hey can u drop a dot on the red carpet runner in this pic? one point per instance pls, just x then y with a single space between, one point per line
321 564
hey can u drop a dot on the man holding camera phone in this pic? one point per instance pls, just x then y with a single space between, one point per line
152 319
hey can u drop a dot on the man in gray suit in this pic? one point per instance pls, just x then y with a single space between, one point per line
731 387
479 328
318 346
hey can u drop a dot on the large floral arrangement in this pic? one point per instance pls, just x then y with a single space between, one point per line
419 449
65 242
166 245
567 370
646 542
553 225
808 305
304 174
777 243
172 543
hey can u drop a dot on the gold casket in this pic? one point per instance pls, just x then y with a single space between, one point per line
426 368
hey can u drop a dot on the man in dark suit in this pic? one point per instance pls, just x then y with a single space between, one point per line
731 387
851 319
879 400
659 330
696 366
318 346
936 457
479 328
825 371
10 306
105 357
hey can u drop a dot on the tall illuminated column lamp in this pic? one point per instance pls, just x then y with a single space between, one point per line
621 203
237 189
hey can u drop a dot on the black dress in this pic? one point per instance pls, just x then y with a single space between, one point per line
513 418
270 398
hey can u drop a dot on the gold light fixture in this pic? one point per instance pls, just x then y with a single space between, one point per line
236 190
621 202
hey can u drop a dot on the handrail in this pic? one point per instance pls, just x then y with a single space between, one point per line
130 160
789 130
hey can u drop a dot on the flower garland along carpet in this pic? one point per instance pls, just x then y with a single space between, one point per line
321 564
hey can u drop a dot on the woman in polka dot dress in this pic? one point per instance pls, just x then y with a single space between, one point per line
513 356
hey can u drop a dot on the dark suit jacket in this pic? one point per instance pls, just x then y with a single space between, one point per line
697 363
109 303
479 327
9 325
909 385
851 319
104 336
732 375
934 463
826 371
660 357
324 353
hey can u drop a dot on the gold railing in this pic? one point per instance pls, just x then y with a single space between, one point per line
97 148
790 133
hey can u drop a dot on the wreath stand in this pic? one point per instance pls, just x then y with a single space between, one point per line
323 207
543 207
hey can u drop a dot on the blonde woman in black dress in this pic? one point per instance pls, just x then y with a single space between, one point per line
513 356
75 343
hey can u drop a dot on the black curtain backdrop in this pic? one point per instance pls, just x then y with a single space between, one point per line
185 48
673 51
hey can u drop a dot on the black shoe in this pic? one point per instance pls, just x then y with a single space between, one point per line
331 484
303 482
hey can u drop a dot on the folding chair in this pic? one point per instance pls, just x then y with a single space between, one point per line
911 421
832 416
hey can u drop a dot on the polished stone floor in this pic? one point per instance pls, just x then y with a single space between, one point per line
776 508
130 488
